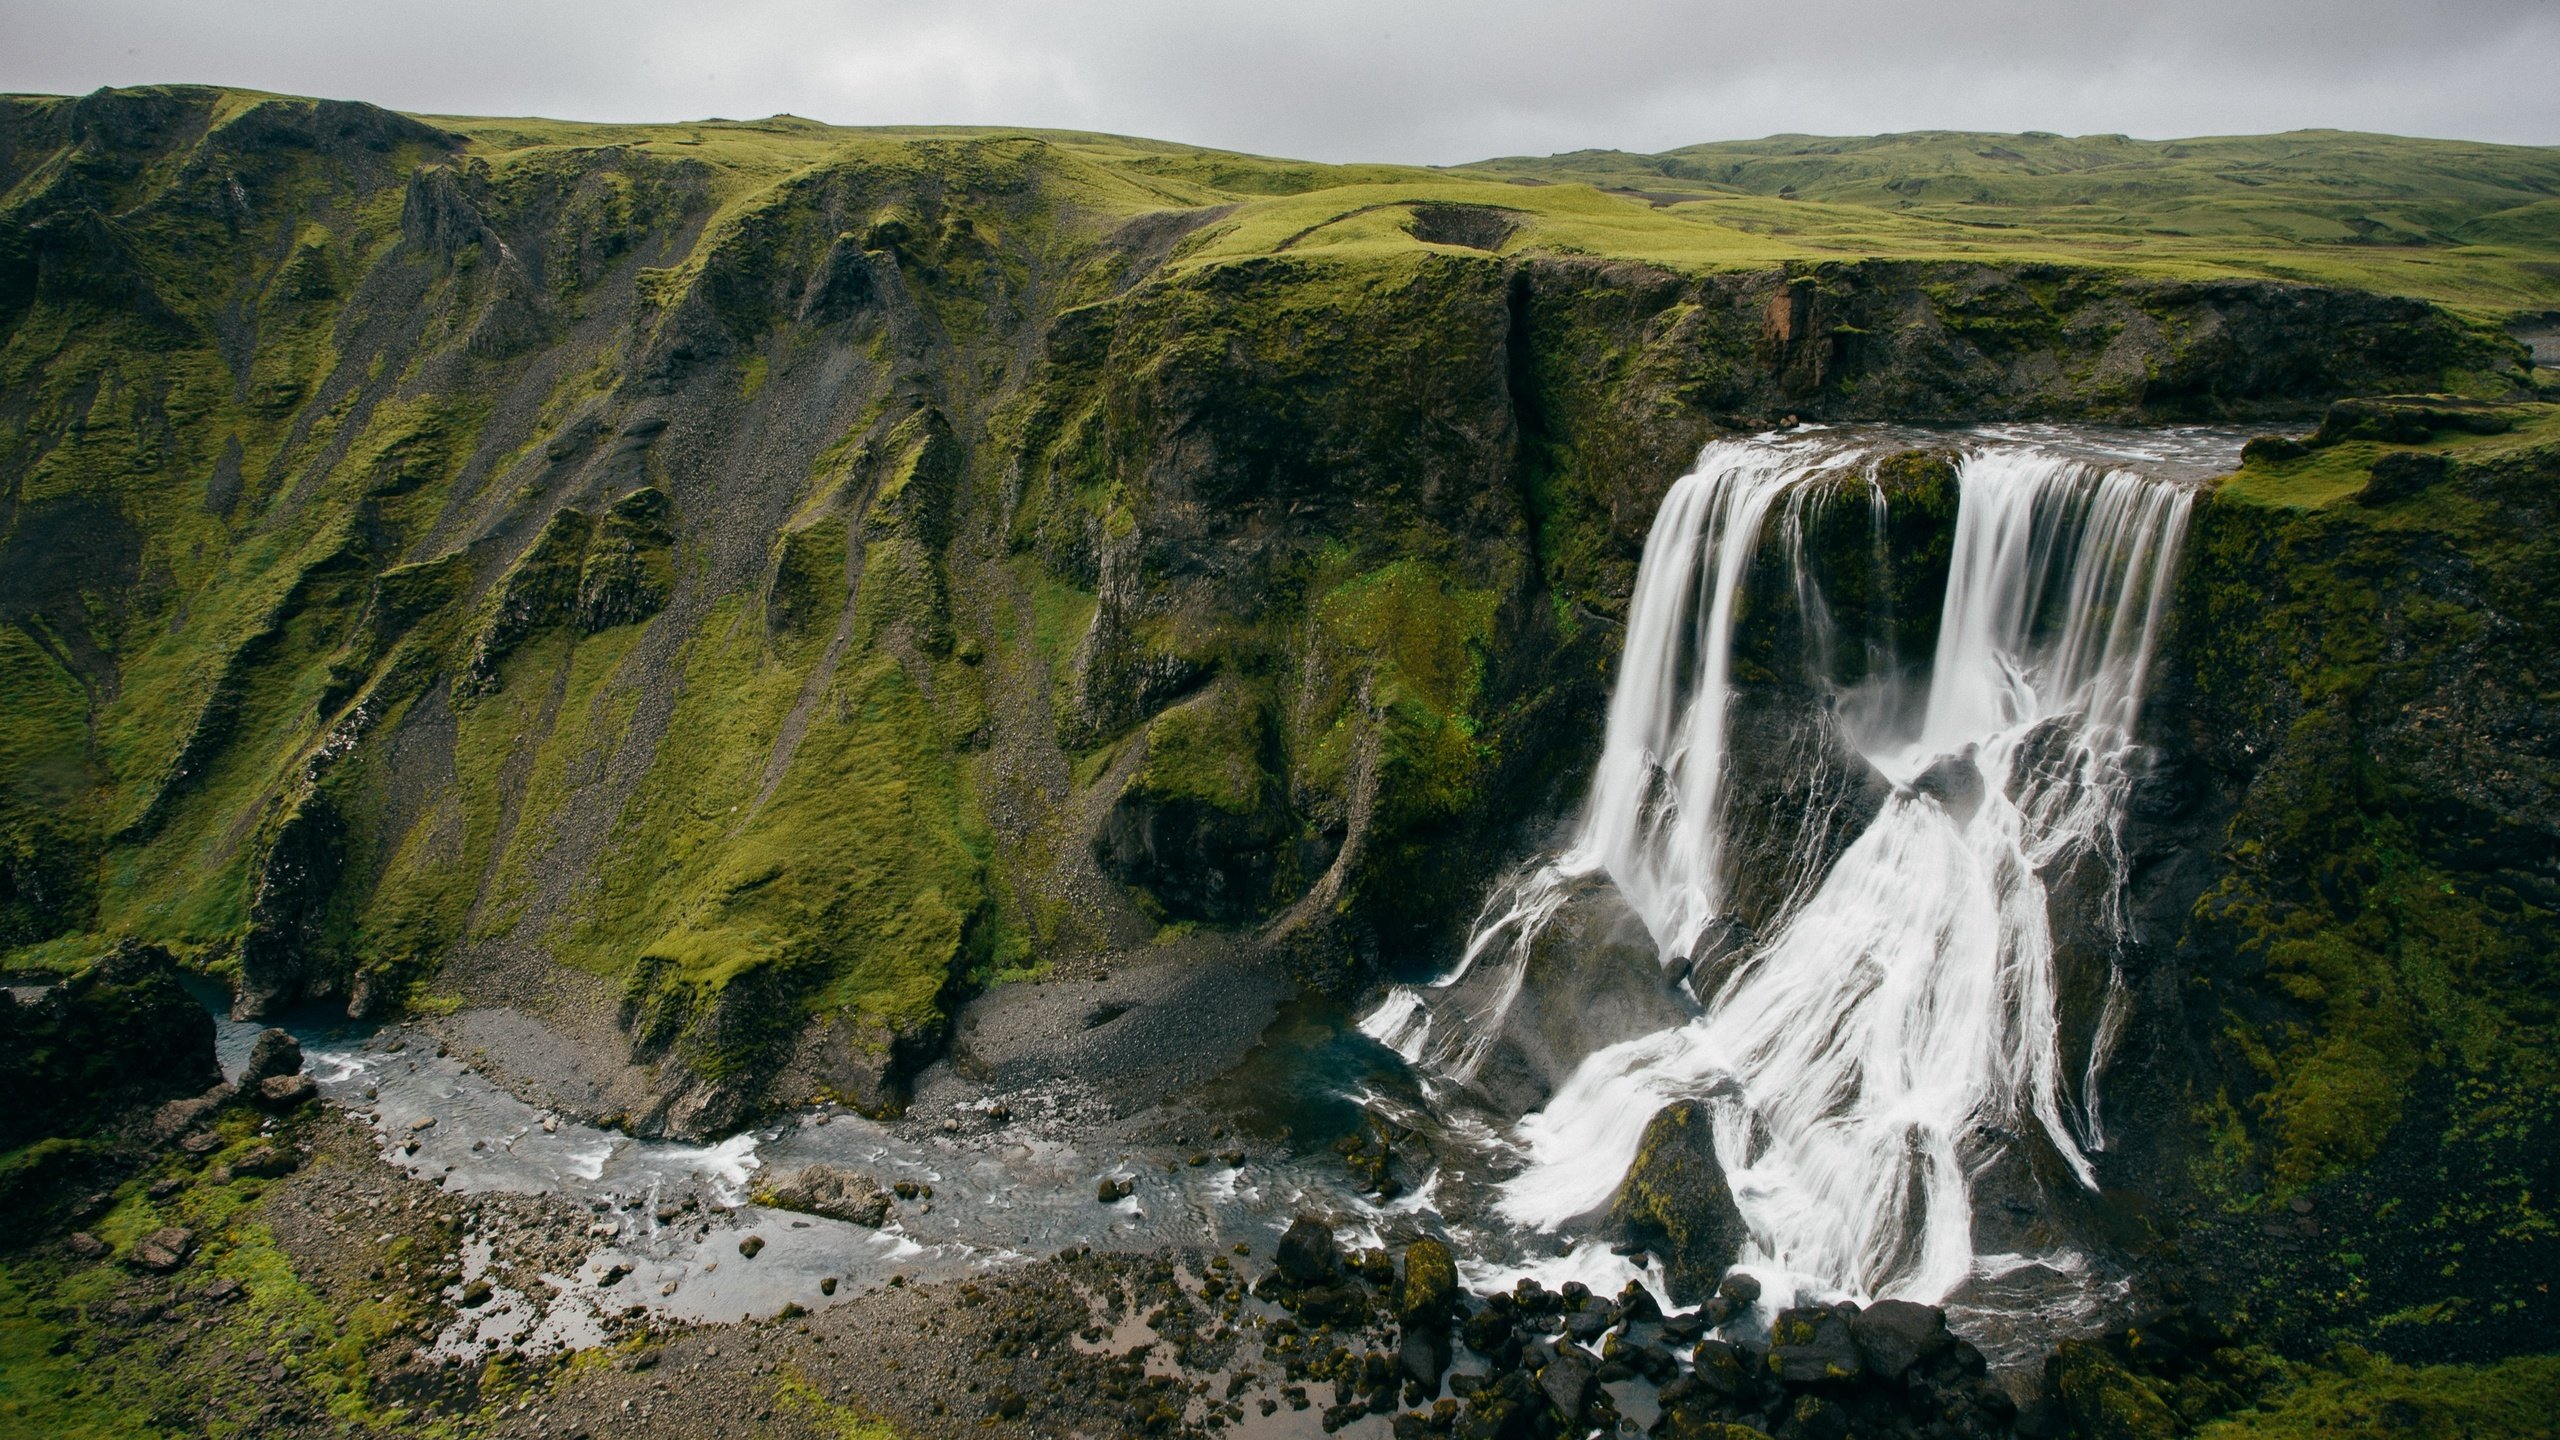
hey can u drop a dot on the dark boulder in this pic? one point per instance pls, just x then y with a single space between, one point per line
1422 1356
1307 1254
1675 1202
1894 1335
1812 1345
1340 1306
1567 1382
275 1052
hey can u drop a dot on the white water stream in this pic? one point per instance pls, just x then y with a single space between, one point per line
1897 1027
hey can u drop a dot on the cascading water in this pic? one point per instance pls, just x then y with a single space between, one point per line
1895 1032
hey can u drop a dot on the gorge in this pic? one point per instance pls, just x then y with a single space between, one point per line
1119 695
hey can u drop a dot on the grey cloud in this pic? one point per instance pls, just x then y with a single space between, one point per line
1432 81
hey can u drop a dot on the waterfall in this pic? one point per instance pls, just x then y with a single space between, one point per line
1897 1028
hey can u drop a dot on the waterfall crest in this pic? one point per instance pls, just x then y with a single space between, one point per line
1896 1030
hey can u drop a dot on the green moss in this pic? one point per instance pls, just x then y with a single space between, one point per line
2366 1395
1211 750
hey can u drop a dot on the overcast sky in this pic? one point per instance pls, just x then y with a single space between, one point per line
1438 81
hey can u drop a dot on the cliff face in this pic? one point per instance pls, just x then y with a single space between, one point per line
2338 1086
732 588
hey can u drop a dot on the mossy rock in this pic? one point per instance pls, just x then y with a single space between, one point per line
1676 1202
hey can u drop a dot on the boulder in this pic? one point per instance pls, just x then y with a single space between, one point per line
285 1092
177 1117
1894 1335
1811 1345
1675 1202
1567 1382
164 1250
1429 1289
1114 1189
834 1192
1307 1254
1422 1356
275 1052
1340 1306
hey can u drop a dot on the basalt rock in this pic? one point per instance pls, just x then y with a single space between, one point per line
1307 1254
1675 1202
275 1052
835 1192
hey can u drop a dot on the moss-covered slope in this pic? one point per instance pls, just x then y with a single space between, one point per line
2341 1091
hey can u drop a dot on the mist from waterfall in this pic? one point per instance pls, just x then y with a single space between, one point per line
1897 1028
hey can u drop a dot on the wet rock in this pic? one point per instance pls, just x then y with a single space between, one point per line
1113 1189
1423 1355
1894 1335
1675 1202
275 1052
1811 1345
1739 1290
1307 1253
1726 1369
751 1246
1567 1382
1339 1306
834 1192
165 1249
1596 979
1955 782
286 1092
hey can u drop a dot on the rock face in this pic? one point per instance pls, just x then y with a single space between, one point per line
835 1192
2331 623
119 1034
1675 1202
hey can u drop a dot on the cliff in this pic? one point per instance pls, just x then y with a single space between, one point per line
731 589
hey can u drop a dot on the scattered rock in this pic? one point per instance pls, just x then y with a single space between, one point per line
751 1246
836 1193
266 1162
286 1092
1568 1382
165 1249
85 1246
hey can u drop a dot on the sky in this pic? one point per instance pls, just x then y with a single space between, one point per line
1428 82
